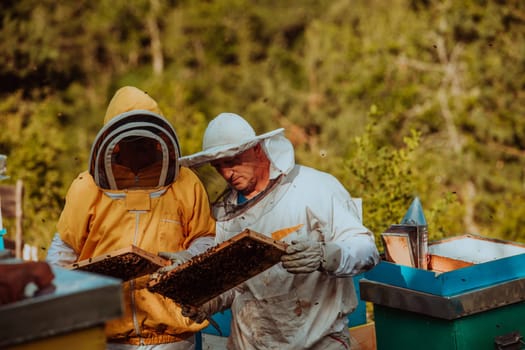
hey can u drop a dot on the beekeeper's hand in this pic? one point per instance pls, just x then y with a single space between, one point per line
176 259
309 256
196 314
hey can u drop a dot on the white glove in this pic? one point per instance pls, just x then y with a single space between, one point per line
310 256
176 259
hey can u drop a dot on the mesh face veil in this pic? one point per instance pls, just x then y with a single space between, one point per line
135 150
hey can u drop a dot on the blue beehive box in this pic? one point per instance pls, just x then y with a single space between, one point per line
483 262
471 296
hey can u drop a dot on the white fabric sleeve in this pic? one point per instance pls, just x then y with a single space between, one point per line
60 253
200 245
342 226
359 254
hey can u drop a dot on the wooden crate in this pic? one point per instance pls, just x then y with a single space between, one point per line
364 336
126 263
219 269
439 263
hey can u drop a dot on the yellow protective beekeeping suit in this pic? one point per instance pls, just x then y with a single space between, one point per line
167 212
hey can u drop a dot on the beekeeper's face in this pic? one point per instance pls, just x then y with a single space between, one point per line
246 172
137 153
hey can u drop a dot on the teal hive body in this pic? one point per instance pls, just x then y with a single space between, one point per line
466 308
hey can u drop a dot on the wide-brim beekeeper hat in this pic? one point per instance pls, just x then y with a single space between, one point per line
227 135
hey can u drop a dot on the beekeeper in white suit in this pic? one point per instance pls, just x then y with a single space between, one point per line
304 301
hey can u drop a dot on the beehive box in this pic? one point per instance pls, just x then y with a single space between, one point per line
474 262
472 294
219 269
75 311
125 264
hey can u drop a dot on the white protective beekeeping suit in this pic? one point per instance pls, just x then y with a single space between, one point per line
277 309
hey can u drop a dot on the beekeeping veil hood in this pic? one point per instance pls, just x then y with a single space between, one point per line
136 137
229 134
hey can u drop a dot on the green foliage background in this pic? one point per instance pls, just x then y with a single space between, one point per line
397 98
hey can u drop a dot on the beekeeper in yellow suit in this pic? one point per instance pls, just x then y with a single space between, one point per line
135 193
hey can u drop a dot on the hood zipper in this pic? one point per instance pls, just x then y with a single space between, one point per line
132 282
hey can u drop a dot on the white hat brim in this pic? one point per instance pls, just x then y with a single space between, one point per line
224 151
